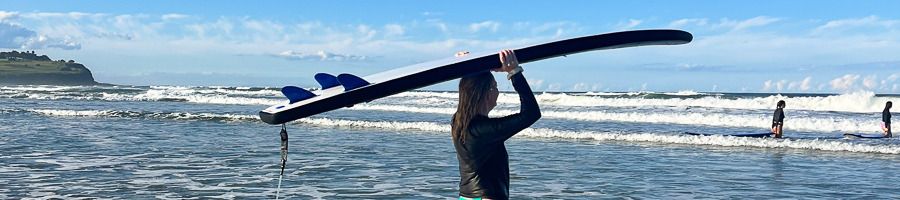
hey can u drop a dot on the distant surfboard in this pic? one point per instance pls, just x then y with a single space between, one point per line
754 135
863 136
424 74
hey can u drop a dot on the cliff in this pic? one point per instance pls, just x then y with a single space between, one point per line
24 68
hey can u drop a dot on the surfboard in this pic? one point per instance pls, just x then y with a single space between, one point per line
754 135
862 136
368 88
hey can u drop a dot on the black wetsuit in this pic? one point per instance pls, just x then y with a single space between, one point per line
886 118
483 161
778 118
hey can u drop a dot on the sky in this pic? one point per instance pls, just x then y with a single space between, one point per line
739 46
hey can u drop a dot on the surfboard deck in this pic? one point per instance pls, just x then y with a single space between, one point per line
754 135
424 74
862 136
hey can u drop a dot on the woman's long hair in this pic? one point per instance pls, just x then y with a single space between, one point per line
473 89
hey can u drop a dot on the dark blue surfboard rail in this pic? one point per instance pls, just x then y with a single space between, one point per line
442 73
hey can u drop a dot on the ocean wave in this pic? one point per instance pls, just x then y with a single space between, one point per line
154 115
818 124
812 144
858 102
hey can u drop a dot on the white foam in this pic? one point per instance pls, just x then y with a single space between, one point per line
815 144
828 145
684 93
860 102
819 124
175 115
46 88
84 113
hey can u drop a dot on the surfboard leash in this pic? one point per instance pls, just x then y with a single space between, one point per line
284 153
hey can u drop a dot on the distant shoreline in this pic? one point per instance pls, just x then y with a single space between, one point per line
27 68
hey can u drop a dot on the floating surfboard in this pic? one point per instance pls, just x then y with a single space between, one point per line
368 88
863 136
754 135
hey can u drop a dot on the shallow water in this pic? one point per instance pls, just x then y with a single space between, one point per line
206 142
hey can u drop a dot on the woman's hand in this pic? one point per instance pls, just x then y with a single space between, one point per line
508 61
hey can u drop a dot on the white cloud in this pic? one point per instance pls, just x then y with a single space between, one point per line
630 24
580 87
870 21
5 15
844 83
870 82
42 42
780 85
61 15
319 55
13 36
805 84
491 26
18 37
553 87
536 84
173 16
393 30
748 23
893 77
767 85
367 32
687 22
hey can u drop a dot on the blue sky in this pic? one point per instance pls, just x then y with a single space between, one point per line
750 46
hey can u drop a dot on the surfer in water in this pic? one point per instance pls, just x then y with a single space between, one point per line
886 120
778 119
478 139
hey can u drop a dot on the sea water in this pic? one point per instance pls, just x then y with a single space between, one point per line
178 142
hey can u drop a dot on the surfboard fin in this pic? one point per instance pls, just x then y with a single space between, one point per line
350 81
296 94
327 80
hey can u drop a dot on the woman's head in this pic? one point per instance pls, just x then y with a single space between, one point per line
888 105
780 104
477 95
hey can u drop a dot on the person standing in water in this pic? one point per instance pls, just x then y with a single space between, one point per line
886 120
478 139
778 120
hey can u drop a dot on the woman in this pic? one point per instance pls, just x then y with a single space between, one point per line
478 139
778 119
886 120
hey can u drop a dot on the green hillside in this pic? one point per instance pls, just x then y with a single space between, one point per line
28 68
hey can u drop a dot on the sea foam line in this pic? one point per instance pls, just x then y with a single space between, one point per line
814 144
826 124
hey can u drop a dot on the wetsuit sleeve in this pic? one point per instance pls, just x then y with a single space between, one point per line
778 117
500 129
886 116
